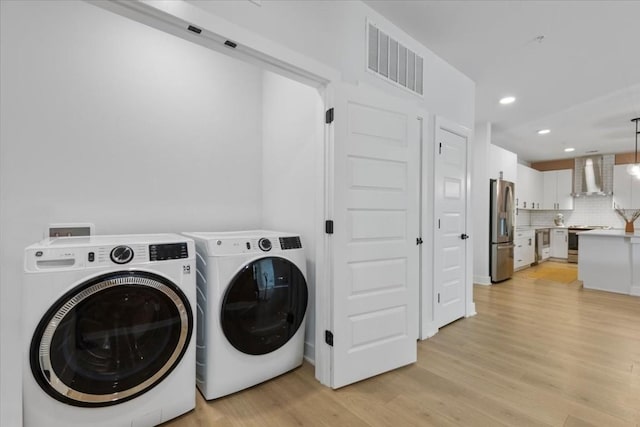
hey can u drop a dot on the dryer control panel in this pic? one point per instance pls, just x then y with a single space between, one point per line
247 245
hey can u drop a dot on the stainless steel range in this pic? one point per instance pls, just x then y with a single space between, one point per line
574 238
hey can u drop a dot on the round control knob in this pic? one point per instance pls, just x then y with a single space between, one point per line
121 254
264 244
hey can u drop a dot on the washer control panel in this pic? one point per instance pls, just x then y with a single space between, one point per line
167 251
121 254
265 244
81 254
248 245
290 243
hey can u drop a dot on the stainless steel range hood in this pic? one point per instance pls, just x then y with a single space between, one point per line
593 176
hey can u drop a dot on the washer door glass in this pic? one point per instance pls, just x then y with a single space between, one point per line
264 305
111 339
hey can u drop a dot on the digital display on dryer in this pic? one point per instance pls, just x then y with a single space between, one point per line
168 251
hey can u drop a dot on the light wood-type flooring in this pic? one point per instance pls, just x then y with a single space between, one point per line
538 353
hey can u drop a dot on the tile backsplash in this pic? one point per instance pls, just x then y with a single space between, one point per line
523 217
595 210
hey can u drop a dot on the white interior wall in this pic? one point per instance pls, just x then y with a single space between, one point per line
333 33
292 113
480 202
112 122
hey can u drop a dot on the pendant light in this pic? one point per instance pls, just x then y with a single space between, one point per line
634 168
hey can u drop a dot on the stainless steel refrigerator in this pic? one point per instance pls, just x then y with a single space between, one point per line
502 216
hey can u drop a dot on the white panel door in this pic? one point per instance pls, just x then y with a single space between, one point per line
450 241
375 283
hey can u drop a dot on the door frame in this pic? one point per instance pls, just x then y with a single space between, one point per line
426 327
256 49
442 123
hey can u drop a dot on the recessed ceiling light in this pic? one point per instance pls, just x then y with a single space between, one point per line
543 131
568 150
507 100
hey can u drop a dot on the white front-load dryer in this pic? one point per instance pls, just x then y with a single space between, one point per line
252 301
109 331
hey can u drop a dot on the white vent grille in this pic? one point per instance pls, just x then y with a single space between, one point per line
393 61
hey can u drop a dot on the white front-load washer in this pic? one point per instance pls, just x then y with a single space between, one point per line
108 330
252 301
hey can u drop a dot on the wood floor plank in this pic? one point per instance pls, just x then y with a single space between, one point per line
538 353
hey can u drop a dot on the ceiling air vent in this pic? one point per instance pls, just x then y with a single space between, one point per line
393 61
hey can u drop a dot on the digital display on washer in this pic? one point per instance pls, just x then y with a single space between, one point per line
290 243
168 251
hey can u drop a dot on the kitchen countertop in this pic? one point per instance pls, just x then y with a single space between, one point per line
618 232
534 227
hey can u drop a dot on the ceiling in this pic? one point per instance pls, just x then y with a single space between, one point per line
574 67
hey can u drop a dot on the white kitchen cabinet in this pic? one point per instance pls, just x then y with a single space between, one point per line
524 250
529 188
626 189
557 189
559 243
536 186
501 160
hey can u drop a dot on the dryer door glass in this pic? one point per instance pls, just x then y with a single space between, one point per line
264 305
111 339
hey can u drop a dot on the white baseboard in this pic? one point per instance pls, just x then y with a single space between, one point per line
635 291
428 330
471 310
482 280
310 353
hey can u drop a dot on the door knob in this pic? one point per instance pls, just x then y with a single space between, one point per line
464 236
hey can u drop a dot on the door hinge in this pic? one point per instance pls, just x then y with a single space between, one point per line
440 148
419 240
328 337
328 226
438 297
328 116
438 223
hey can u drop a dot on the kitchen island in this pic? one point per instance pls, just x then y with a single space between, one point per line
609 260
